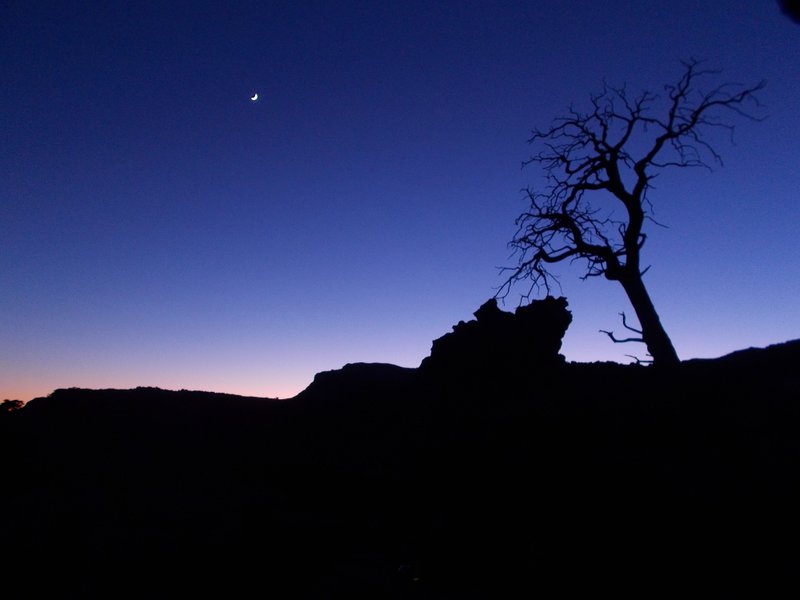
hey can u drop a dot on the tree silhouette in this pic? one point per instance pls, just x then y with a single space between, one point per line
8 406
599 167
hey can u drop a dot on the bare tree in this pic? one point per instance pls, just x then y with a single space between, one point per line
599 167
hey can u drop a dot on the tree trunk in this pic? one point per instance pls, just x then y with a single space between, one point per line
655 336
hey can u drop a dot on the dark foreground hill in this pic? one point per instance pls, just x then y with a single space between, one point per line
500 480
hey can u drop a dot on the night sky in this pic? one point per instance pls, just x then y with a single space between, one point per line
157 228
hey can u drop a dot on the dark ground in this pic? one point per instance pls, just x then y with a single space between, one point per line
385 482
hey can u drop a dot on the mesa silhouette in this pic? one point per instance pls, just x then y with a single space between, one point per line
496 469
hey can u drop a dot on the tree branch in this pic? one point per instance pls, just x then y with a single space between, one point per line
619 341
586 155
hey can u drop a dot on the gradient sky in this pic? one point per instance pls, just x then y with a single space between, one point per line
158 228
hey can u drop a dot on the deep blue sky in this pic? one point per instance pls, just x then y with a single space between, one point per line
158 228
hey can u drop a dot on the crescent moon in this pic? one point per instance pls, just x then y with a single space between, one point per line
254 97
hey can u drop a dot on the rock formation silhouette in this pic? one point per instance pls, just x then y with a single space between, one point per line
502 342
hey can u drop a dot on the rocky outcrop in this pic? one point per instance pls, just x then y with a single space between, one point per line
501 341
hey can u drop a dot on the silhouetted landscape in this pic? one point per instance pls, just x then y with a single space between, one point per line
496 469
